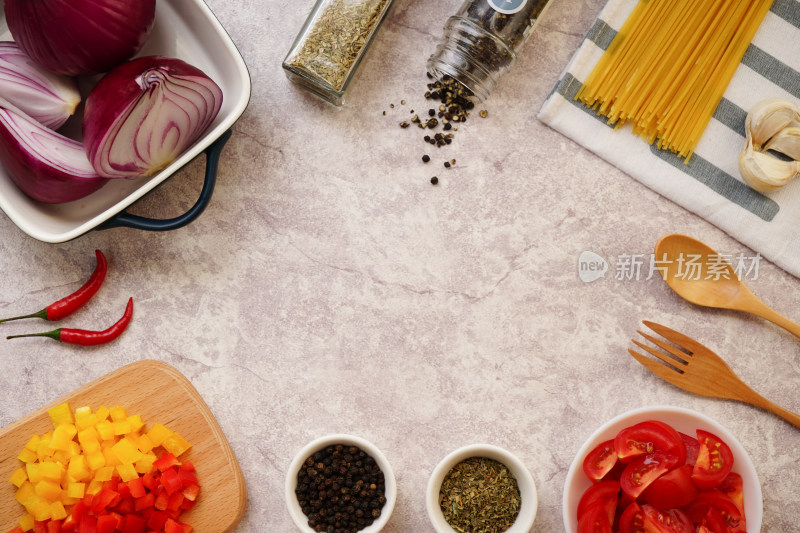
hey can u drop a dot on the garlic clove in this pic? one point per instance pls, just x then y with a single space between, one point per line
764 172
770 116
787 142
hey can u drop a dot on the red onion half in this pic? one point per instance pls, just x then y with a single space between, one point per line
143 114
47 166
76 37
48 98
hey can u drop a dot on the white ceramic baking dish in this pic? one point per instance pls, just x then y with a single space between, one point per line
188 30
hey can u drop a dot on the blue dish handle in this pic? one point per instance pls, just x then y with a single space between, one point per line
127 220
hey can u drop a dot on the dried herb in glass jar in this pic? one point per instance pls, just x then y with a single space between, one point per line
480 495
481 41
340 489
329 48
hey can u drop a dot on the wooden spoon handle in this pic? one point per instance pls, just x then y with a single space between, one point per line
764 311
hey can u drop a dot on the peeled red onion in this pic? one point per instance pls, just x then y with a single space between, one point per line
47 166
46 97
143 114
76 37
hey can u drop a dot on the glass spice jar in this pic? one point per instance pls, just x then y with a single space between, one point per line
329 48
482 40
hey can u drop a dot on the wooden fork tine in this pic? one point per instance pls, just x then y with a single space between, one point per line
667 374
687 343
680 356
664 358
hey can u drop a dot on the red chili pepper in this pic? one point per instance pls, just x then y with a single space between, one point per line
69 304
85 337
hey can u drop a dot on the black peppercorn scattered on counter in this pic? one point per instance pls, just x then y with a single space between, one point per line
340 489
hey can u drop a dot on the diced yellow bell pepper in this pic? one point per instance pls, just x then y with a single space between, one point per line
48 489
126 452
89 434
51 471
144 444
26 522
27 456
105 429
41 511
136 422
24 492
19 477
158 433
104 473
102 413
118 414
94 487
61 414
95 460
122 427
127 472
32 469
175 444
77 468
145 464
33 443
57 511
76 490
62 436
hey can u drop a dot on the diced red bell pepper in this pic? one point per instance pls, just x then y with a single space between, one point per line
104 500
134 524
166 461
190 492
54 526
106 524
173 526
79 510
88 524
162 500
157 520
150 481
16 530
136 487
148 500
175 501
171 481
40 526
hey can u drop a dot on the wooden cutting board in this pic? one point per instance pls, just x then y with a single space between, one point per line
161 394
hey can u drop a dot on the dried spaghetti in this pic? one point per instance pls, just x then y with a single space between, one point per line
667 68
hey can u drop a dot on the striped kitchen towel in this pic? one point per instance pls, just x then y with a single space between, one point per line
710 184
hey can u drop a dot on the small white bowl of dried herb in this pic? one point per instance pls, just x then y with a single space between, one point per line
359 485
483 488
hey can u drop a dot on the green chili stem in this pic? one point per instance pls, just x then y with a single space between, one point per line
38 314
55 334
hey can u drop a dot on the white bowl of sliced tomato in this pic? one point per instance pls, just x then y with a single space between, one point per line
662 469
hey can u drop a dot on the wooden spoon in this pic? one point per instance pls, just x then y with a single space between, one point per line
714 283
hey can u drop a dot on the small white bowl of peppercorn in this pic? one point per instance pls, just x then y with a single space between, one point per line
358 486
481 487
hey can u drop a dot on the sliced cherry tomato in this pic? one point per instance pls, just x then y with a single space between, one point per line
632 519
713 522
600 461
595 519
692 448
732 487
673 489
648 437
714 461
714 499
645 469
604 495
666 521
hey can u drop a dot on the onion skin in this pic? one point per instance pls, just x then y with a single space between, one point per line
47 166
143 114
80 37
46 97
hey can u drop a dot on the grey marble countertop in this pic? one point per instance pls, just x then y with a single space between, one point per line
330 288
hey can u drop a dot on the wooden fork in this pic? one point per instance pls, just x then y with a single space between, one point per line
693 367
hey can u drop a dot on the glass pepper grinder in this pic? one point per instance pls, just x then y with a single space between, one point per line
481 42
